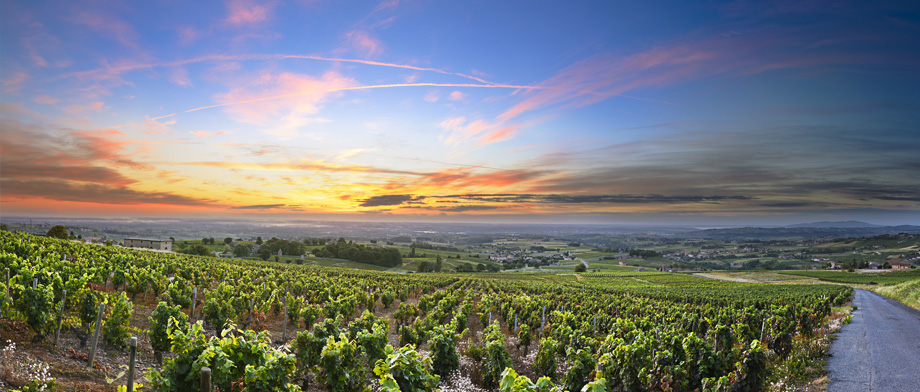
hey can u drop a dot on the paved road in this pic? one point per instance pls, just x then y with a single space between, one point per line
879 350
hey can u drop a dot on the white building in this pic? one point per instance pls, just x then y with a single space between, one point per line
149 243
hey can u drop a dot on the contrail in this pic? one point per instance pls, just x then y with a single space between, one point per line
128 125
366 88
247 57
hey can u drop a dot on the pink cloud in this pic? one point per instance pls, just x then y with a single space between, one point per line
207 134
187 35
108 25
240 12
180 77
362 42
46 100
15 81
294 100
433 96
456 96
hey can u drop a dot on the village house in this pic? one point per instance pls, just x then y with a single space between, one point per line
149 243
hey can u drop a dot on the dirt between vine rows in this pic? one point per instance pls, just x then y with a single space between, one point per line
68 360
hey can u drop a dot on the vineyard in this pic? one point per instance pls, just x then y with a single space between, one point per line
265 326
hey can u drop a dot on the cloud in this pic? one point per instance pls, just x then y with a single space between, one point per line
14 82
305 165
283 103
92 106
94 193
259 207
386 200
457 96
433 96
468 208
180 77
362 42
187 35
46 100
207 134
581 199
243 12
35 152
107 25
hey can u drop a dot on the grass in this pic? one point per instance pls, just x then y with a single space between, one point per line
907 293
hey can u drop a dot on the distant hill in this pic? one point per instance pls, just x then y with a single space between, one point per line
763 233
837 224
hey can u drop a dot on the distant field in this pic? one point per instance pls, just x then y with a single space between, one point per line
859 278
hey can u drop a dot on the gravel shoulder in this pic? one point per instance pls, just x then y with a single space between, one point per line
879 350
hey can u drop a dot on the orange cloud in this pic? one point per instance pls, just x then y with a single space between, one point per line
92 106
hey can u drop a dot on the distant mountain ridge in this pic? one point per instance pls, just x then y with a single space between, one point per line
836 224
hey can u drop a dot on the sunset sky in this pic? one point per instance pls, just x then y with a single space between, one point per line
710 112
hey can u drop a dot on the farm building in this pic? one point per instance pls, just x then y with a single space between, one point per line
149 243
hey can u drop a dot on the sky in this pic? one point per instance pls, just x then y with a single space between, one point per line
702 112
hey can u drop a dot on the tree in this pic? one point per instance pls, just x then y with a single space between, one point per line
438 264
264 253
258 240
480 267
242 250
424 266
228 240
580 267
199 250
58 231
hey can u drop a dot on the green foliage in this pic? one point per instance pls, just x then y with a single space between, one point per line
218 309
443 346
89 308
511 382
405 368
495 356
242 250
525 338
387 299
115 327
370 332
309 345
37 305
245 355
386 257
582 363
309 314
545 363
58 231
341 367
160 321
197 250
